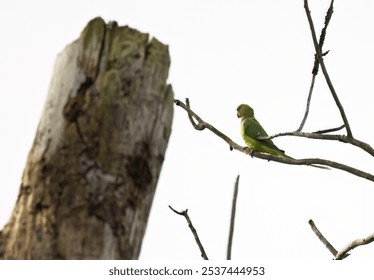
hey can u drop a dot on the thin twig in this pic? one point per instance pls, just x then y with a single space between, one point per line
358 242
194 124
322 37
324 70
193 230
329 129
201 124
307 103
322 238
307 161
316 64
232 220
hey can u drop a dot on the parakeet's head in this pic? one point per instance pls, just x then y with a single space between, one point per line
244 110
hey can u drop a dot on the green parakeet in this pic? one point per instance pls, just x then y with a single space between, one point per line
251 129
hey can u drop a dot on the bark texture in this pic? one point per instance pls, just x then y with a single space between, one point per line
91 174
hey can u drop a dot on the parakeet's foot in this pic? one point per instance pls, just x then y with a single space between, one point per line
248 151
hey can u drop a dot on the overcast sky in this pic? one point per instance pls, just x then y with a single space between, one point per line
223 53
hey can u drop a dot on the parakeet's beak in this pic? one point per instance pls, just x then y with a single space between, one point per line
238 115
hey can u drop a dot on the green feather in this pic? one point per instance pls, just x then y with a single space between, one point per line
251 129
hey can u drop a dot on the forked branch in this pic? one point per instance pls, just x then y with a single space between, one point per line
316 63
324 70
343 253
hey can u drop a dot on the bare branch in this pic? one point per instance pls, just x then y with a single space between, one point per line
320 135
322 238
195 125
307 103
307 161
202 125
232 220
329 129
317 161
343 253
316 64
358 242
324 70
193 230
322 37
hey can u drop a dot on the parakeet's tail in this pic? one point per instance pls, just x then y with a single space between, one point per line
283 155
319 166
313 165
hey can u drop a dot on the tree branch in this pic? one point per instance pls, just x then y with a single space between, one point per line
308 161
322 238
320 135
322 37
324 70
330 129
343 253
307 103
201 125
193 230
358 242
194 124
316 64
232 220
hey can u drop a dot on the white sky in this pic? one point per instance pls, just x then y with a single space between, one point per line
223 53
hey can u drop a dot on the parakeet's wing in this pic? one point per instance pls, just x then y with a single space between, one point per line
253 129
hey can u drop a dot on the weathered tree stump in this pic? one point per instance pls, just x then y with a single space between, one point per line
91 174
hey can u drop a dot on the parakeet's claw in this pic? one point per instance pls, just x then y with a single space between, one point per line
248 151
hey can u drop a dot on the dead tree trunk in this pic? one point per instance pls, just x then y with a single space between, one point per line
91 174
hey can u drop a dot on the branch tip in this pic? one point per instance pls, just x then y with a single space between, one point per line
322 238
193 230
232 220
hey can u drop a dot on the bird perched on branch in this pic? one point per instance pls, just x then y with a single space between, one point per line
251 129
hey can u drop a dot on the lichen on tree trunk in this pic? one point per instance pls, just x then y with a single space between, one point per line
91 174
